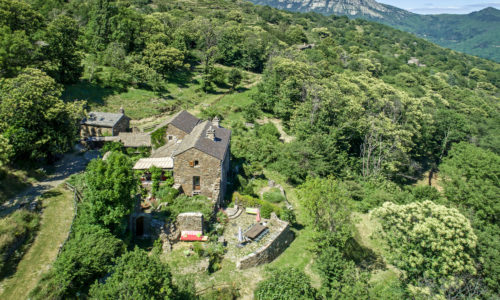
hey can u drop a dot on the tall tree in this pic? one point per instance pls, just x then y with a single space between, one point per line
109 191
61 55
32 117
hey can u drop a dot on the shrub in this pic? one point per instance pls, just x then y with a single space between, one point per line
158 138
274 196
136 275
288 215
86 257
266 209
288 283
244 200
167 194
198 249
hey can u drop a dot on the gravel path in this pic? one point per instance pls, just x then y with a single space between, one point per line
70 164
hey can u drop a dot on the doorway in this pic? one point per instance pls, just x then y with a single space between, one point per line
139 226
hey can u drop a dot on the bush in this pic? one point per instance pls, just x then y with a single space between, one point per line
288 283
218 76
245 200
167 194
136 275
274 196
198 249
158 138
86 257
288 215
183 204
266 209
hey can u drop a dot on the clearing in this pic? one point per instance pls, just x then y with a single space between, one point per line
54 227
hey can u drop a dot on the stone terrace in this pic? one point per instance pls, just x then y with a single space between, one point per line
245 221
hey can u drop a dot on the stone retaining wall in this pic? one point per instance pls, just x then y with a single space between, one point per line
267 253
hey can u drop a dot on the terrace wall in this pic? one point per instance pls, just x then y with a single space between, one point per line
267 253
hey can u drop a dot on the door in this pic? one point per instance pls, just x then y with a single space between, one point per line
196 183
139 226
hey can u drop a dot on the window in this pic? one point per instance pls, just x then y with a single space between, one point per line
170 137
196 183
196 163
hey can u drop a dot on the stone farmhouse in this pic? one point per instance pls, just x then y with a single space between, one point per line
197 152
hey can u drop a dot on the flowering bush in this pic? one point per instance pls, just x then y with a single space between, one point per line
428 240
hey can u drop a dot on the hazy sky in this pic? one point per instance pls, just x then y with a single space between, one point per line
442 6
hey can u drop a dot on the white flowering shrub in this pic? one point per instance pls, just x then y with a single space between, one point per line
429 241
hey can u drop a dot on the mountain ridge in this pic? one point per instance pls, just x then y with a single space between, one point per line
476 33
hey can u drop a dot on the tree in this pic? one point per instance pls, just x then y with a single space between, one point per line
62 52
5 150
326 203
234 77
286 284
109 191
471 179
98 28
33 118
163 59
340 277
136 276
15 51
429 241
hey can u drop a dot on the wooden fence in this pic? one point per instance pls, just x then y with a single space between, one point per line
77 197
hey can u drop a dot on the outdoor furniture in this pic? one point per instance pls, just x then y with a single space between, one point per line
262 235
252 210
255 231
191 236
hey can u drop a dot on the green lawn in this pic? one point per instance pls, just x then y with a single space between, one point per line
54 227
185 94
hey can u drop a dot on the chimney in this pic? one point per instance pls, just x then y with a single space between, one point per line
211 133
122 111
216 122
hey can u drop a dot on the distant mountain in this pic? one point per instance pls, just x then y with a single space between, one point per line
477 33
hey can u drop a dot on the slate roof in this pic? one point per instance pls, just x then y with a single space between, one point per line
197 139
102 119
184 121
135 139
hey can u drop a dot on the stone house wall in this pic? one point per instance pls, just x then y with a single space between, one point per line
225 171
96 131
269 252
208 169
175 132
90 130
123 125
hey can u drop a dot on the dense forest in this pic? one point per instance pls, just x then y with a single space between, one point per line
367 127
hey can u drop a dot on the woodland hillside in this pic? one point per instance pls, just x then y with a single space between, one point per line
387 145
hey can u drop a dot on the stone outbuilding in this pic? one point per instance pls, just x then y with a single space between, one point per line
98 124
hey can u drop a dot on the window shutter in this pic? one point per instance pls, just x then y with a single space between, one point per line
191 163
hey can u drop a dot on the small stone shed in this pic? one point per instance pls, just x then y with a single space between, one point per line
98 124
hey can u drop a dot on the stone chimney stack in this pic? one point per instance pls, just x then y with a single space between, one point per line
122 111
216 122
211 133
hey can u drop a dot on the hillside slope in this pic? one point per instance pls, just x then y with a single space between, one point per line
476 33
